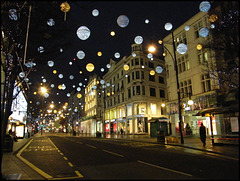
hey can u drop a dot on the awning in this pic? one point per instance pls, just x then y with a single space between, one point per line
160 119
218 110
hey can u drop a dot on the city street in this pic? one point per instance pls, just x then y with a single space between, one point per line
100 158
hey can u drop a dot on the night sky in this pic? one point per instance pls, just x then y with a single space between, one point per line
157 12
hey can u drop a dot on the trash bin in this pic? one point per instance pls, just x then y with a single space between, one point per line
98 134
74 133
161 137
8 144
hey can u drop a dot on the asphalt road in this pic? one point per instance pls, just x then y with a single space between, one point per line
57 157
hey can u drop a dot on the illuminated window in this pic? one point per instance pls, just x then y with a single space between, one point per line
153 108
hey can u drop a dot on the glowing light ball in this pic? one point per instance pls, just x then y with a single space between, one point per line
125 67
146 21
122 21
95 12
21 74
213 18
40 49
90 67
71 77
63 87
150 55
99 54
203 32
38 103
60 87
117 55
199 47
187 28
80 84
79 95
212 26
102 82
50 63
138 39
61 50
182 48
94 87
134 54
51 22
159 69
70 63
65 7
83 32
80 54
54 71
80 72
108 84
26 79
108 66
102 69
168 26
68 94
60 76
78 89
46 95
52 85
44 80
152 72
12 14
204 6
112 33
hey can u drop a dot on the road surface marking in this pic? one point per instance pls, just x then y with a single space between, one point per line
70 164
78 174
113 153
165 168
45 175
91 146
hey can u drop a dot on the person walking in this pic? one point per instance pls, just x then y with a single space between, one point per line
202 131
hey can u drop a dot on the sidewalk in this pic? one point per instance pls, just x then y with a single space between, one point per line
14 169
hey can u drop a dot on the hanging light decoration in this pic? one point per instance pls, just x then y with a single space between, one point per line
65 7
90 67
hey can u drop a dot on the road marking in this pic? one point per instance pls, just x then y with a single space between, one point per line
91 146
113 153
165 168
45 175
78 174
70 164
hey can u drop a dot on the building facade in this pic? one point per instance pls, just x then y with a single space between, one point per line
195 81
132 95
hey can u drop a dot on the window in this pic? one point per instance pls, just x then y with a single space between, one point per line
142 74
197 27
141 61
122 97
161 79
132 62
128 78
143 90
150 65
137 75
133 90
129 93
183 63
152 92
206 83
202 57
162 93
136 61
152 78
138 90
132 75
186 88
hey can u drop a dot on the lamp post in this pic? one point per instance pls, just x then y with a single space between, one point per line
168 27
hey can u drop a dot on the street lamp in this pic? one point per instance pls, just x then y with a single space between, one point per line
168 27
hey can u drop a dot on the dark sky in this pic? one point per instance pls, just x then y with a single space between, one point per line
157 12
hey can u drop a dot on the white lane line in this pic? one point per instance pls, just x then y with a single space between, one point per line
112 153
91 146
164 168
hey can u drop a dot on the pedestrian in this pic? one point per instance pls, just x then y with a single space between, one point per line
202 131
121 131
